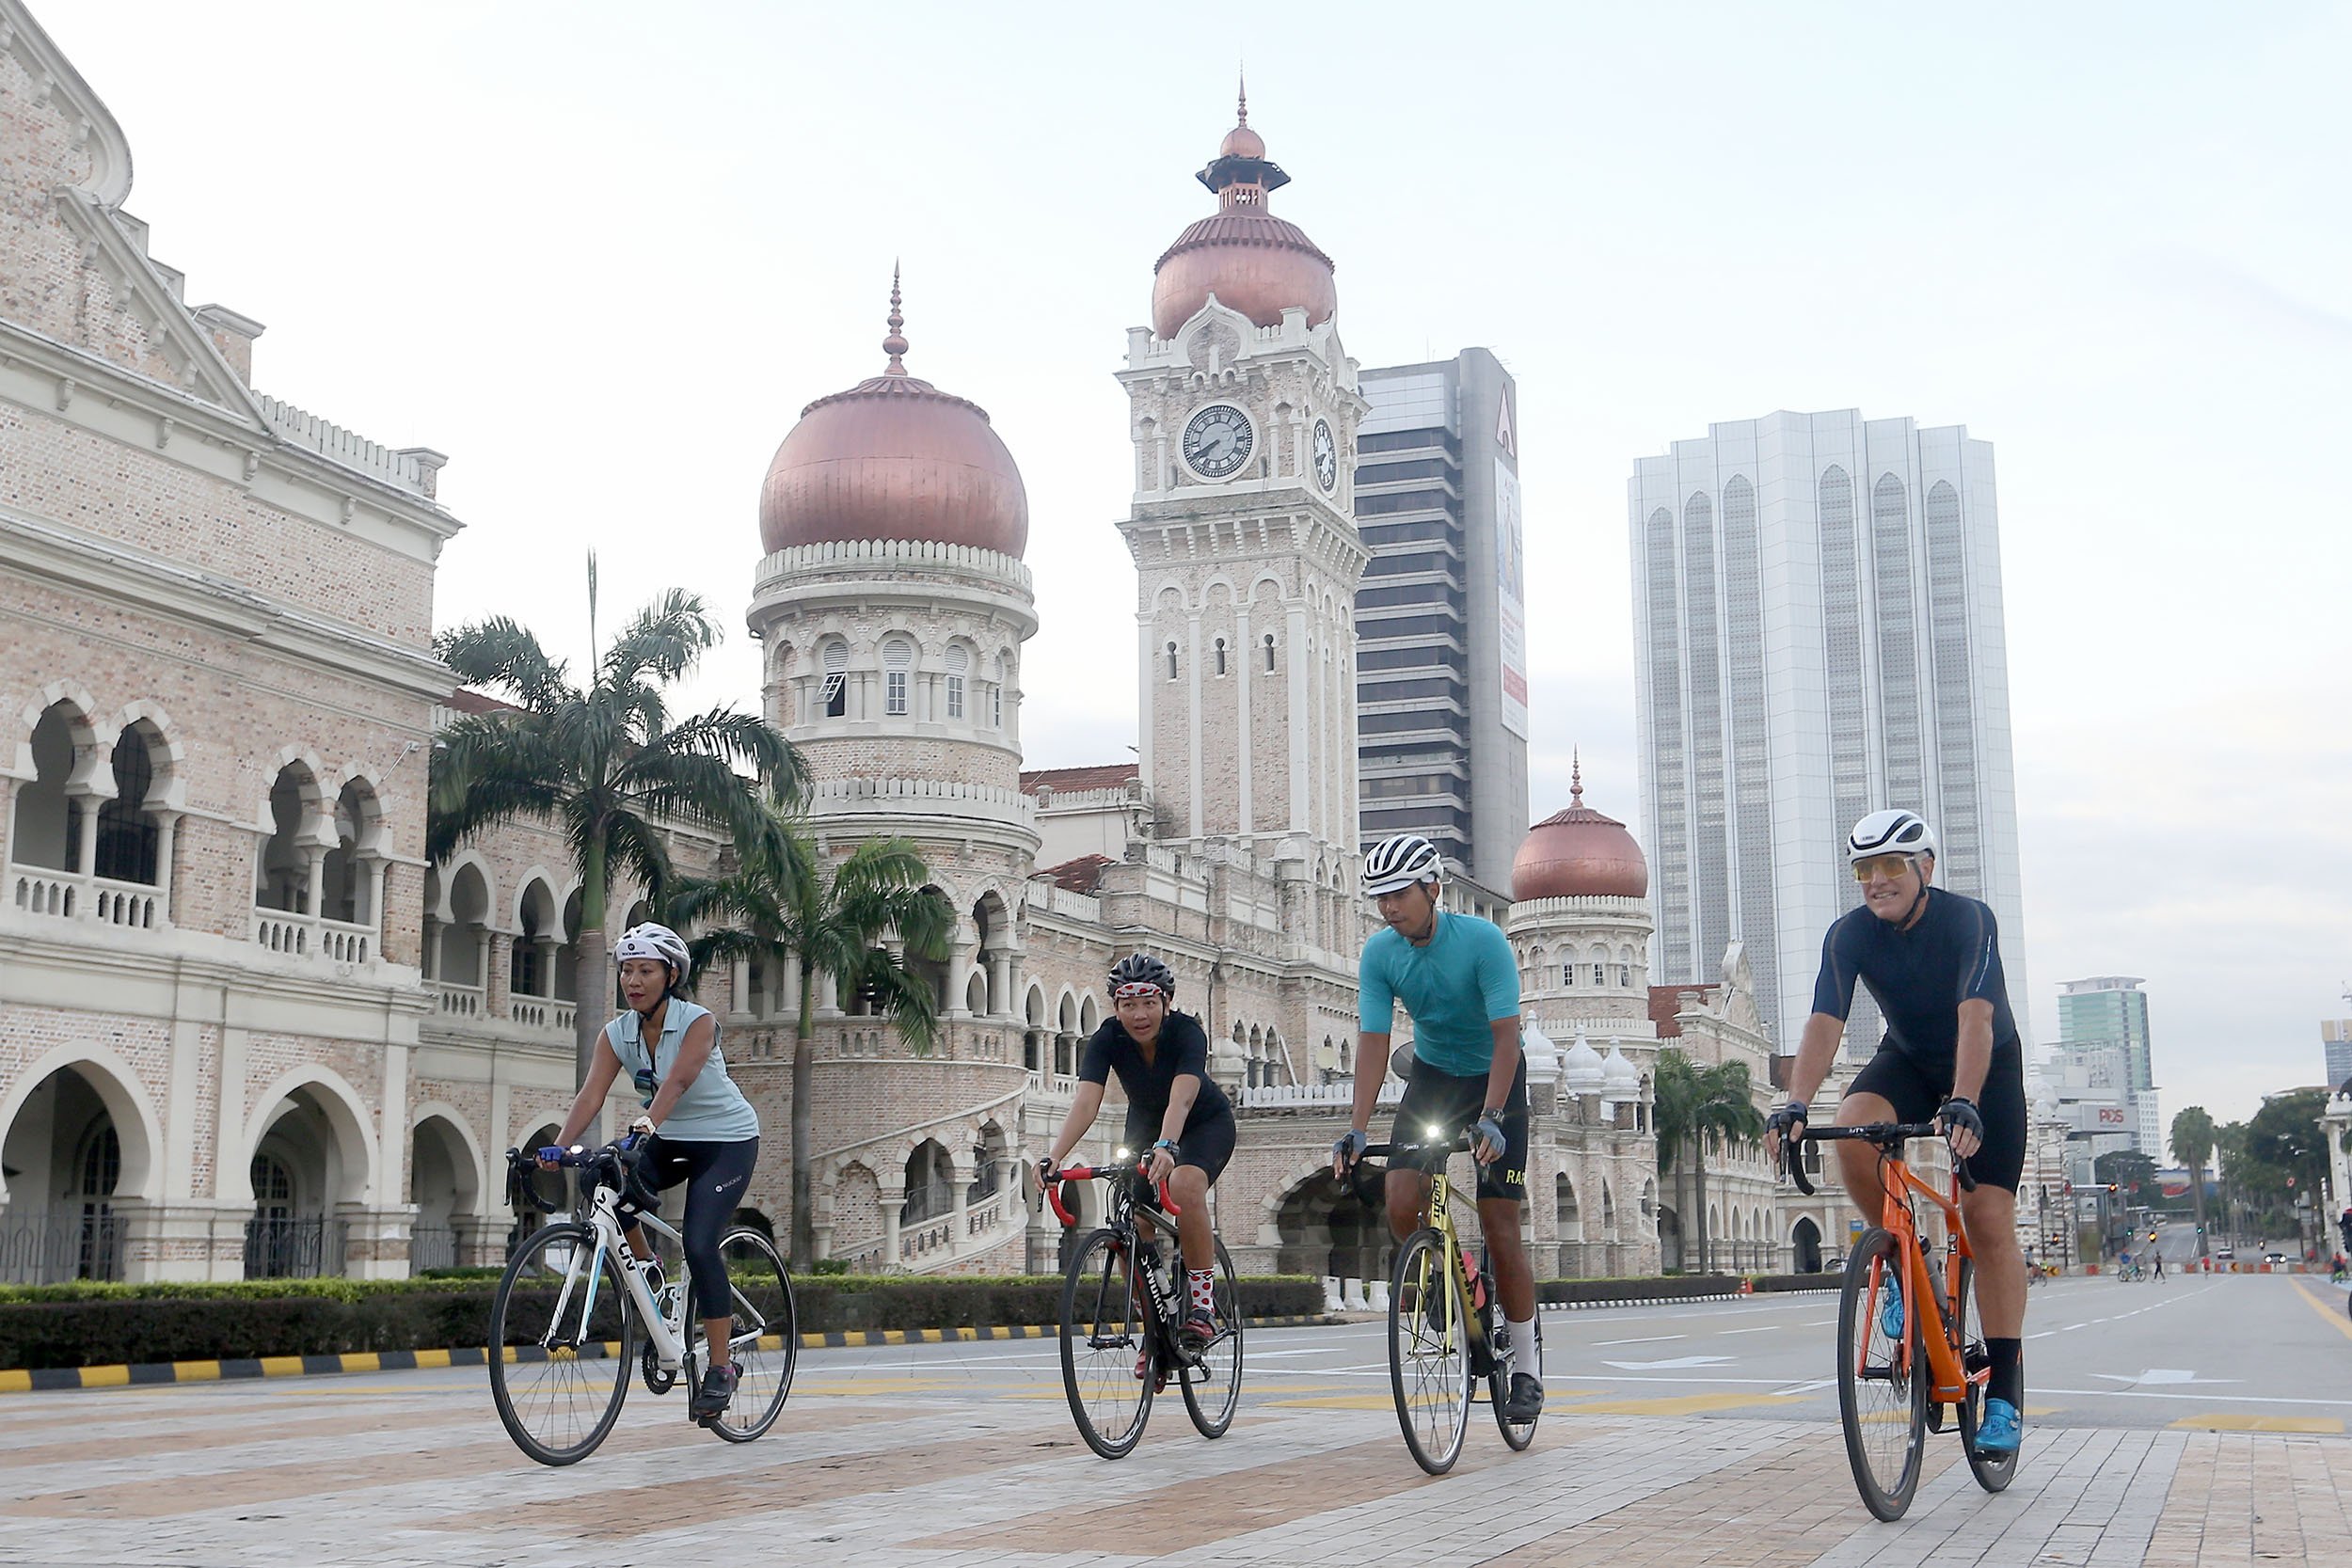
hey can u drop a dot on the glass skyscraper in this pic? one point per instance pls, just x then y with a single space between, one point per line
1818 634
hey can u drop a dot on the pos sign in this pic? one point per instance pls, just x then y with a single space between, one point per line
2111 1116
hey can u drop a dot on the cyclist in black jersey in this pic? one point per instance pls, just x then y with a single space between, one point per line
1931 960
1162 1059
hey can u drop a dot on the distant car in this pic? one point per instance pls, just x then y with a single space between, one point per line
2274 1256
2225 1255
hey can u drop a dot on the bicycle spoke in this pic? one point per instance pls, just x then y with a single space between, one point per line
560 1330
1429 1352
764 1342
1107 1369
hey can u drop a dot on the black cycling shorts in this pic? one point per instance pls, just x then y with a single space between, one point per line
1440 1100
715 1175
1916 1097
1208 1145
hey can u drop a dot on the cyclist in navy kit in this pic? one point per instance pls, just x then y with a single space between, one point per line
1932 963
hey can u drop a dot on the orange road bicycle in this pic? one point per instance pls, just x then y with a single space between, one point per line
1893 1389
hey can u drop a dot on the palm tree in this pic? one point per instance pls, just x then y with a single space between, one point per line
782 904
2192 1145
1696 1107
606 764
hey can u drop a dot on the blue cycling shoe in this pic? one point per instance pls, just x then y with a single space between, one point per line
1891 1314
1998 1433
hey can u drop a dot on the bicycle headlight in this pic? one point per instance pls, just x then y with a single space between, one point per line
1433 1129
1123 1153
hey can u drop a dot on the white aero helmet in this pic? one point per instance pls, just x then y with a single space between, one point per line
1893 832
658 942
1399 862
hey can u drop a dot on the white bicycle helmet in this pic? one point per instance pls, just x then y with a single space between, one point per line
1399 862
658 942
1893 832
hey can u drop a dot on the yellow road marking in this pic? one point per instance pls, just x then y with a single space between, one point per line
870 1386
2325 1426
2342 1320
1685 1405
112 1377
196 1372
16 1382
432 1358
1334 1401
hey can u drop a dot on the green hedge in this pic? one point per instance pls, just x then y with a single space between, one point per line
96 1325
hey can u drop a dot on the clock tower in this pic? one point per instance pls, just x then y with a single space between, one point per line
1244 407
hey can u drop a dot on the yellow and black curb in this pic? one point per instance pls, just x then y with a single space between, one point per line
19 1381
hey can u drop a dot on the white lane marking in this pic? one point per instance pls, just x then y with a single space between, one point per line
1645 1340
2164 1375
1817 1323
1677 1361
2199 1399
1766 1328
2043 1334
1805 1387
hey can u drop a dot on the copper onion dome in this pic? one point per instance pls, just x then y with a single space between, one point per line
1253 262
894 457
1578 853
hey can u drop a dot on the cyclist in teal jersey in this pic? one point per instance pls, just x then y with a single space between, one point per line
1459 982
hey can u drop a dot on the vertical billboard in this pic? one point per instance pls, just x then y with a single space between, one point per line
1511 597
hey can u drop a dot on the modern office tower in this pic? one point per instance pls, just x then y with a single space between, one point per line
2335 1038
1440 620
2110 1010
1818 634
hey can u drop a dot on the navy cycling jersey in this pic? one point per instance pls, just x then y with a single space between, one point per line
1183 1048
1919 977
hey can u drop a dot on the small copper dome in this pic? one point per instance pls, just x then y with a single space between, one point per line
1251 260
894 457
1578 853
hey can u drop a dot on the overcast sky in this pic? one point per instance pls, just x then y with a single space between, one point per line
602 254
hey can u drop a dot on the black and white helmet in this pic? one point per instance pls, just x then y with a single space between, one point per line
1142 968
658 942
1399 862
1895 831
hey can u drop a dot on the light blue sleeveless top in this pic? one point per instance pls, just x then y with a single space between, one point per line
712 1109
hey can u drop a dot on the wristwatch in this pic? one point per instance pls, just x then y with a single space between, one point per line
1168 1144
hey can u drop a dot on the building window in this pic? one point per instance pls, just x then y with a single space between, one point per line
1269 653
997 696
836 701
1170 651
1221 655
1624 975
958 662
897 663
1567 975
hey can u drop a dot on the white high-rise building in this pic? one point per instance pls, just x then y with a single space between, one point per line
1817 633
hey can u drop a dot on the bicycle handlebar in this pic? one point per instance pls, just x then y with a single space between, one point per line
1461 1143
1097 1173
1889 1138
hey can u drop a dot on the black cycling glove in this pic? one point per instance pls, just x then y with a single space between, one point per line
1960 1111
1784 1122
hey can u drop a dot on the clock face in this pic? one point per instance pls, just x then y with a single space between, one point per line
1218 440
1327 457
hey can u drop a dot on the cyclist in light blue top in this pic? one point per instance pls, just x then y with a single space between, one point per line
1459 982
696 1128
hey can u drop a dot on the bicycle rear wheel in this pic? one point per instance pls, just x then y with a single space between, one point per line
1213 1388
1106 1327
765 1341
1517 1433
1429 1355
1881 1381
561 1333
1993 1471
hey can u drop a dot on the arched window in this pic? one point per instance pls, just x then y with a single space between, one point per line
282 878
48 829
1269 645
1567 975
127 836
959 660
837 664
1221 655
1170 651
898 664
996 697
345 881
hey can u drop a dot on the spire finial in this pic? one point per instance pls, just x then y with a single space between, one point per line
1576 778
896 345
1241 75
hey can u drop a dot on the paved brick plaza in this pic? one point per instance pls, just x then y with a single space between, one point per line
924 1467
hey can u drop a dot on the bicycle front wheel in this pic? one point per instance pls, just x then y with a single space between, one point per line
1213 1388
561 1331
1993 1471
1881 1379
1429 1351
1109 1360
765 1342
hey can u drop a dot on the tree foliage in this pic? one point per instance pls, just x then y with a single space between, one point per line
1698 1108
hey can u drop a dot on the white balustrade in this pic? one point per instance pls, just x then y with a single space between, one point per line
134 904
57 894
345 943
275 932
457 1001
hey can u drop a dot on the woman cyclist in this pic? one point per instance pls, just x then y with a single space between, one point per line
696 1128
1162 1059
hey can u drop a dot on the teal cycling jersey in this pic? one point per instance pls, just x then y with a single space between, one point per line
1462 982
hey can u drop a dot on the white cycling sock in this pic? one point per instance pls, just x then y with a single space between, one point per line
1523 1348
1203 1283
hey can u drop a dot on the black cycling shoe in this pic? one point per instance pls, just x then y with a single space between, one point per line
1526 1402
711 1399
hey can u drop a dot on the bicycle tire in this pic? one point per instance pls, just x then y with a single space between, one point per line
532 1390
1429 1362
1993 1473
1106 1321
765 1311
1219 1366
1877 1394
1517 1434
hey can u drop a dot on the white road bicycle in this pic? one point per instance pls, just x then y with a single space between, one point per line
566 1322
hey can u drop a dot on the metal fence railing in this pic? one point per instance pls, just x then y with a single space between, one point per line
49 1246
432 1246
293 1249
